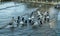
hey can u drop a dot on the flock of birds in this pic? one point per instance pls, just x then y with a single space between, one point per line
33 20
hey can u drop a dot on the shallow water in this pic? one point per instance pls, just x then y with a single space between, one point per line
7 13
10 9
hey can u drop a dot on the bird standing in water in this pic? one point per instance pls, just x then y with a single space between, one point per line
12 24
18 21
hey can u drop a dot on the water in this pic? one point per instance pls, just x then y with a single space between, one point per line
56 13
10 9
7 13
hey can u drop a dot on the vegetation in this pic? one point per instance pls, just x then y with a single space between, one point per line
5 0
